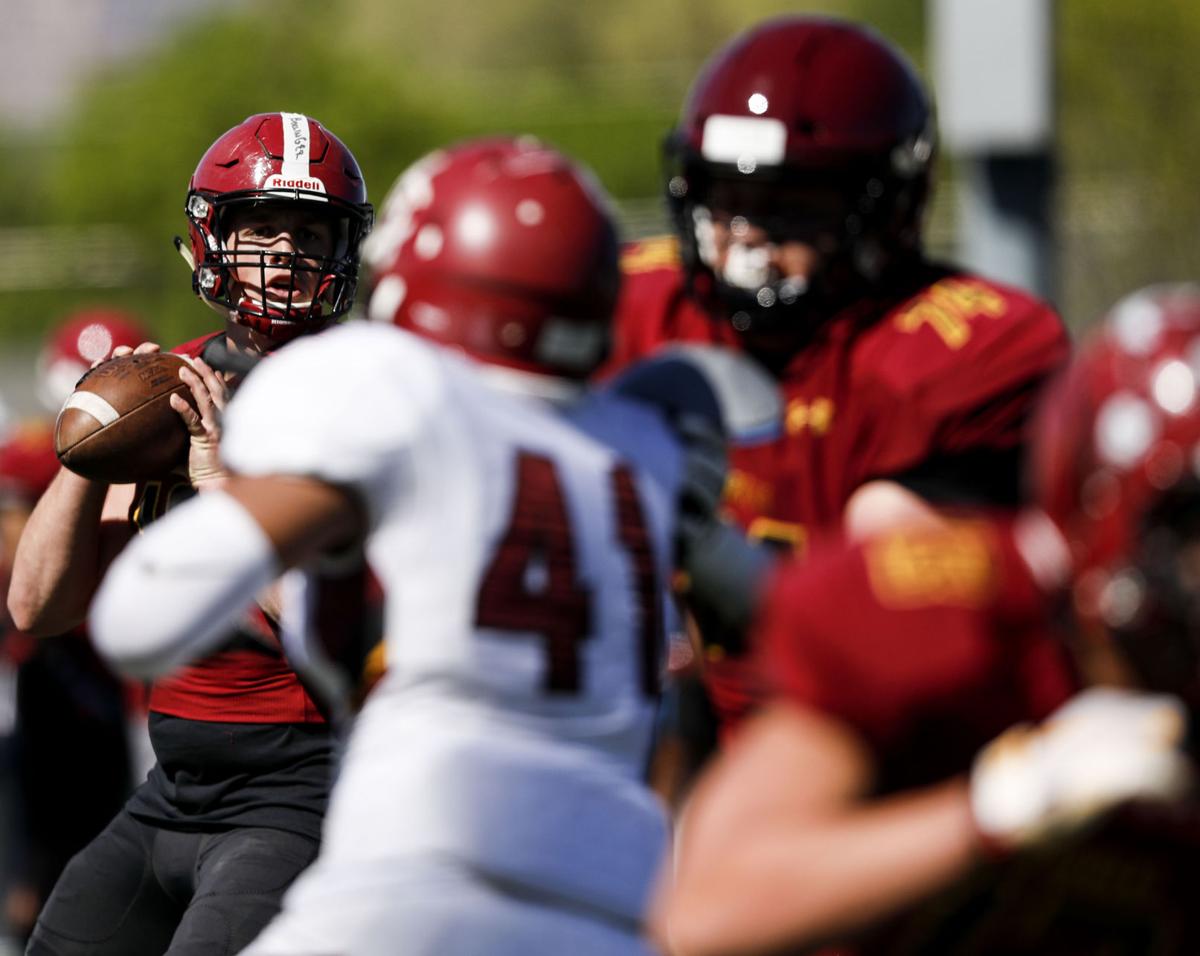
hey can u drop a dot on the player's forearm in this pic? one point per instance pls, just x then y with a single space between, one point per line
817 878
58 563
179 590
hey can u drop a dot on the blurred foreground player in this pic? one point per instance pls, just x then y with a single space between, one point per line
199 857
490 800
797 177
869 784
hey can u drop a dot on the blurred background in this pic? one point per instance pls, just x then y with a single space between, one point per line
106 105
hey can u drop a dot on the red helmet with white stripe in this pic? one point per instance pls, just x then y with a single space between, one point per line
273 162
1116 465
81 339
503 248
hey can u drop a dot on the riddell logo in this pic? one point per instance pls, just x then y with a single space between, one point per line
290 182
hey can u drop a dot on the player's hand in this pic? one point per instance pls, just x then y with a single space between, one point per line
203 422
1103 747
126 350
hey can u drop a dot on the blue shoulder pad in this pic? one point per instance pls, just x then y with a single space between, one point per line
728 389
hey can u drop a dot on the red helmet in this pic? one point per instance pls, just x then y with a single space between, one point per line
1116 465
503 248
76 343
813 129
286 160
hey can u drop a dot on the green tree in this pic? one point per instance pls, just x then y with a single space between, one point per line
102 191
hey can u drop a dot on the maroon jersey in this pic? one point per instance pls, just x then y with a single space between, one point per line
930 386
930 644
248 680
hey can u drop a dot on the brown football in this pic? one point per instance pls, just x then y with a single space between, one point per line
118 425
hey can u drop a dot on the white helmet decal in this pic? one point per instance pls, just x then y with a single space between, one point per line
296 172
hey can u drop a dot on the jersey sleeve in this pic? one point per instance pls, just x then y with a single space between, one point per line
955 391
642 310
872 634
344 407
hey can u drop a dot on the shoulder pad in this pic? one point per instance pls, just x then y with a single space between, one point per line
727 388
960 308
658 252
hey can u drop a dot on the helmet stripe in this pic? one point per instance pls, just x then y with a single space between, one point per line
93 405
296 141
738 139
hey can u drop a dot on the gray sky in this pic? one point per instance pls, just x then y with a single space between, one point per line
48 47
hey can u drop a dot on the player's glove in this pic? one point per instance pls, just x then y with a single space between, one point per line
1103 747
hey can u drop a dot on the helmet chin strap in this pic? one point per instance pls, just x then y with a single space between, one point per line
185 252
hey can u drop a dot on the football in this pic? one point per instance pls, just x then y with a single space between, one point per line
118 425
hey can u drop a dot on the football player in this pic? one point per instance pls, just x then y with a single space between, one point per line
198 858
491 799
870 783
797 177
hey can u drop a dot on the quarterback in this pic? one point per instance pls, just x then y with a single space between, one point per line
198 858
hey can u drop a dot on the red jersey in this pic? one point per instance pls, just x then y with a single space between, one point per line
27 463
929 644
931 386
248 681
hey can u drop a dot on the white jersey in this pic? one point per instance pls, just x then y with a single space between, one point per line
523 563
